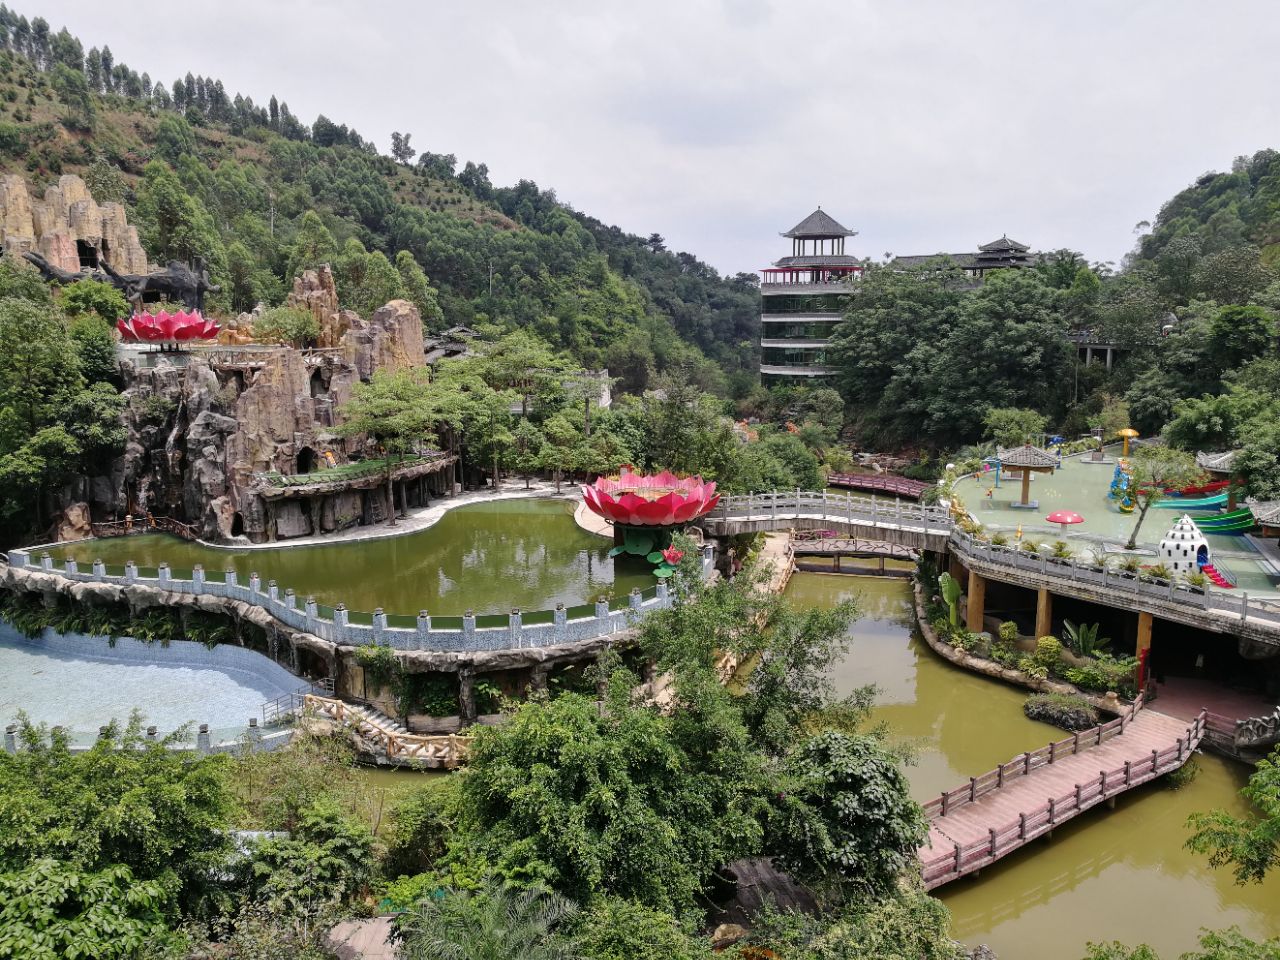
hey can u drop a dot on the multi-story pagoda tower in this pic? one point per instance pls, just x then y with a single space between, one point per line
802 298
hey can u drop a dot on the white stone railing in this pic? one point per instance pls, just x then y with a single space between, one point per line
334 624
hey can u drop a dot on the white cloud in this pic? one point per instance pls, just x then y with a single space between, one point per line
925 124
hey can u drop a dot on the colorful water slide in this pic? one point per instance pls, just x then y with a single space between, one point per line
1234 521
1193 503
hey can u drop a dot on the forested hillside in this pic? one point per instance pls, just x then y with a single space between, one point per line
209 173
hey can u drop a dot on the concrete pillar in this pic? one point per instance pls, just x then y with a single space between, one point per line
197 579
424 628
977 602
11 738
204 742
467 696
1044 613
1144 632
1026 486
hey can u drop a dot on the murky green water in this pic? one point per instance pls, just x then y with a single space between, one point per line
1109 875
485 557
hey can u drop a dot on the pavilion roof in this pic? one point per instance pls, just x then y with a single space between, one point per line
1216 462
818 224
1266 512
828 260
1004 243
1026 456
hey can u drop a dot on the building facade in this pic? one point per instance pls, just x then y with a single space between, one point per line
802 296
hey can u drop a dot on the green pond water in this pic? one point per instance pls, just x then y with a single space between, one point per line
486 557
1109 875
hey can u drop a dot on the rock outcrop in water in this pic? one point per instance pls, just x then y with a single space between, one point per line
202 425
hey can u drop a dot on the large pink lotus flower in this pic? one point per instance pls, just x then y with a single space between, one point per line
165 327
656 500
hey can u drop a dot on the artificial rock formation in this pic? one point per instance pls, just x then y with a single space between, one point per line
201 433
66 225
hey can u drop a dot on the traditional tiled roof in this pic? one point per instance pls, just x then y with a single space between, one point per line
1004 243
915 261
1026 456
1216 462
1266 512
827 260
818 224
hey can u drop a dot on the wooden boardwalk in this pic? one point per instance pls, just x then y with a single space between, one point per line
879 483
1006 808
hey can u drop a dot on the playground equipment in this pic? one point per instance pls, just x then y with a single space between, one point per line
1121 480
1232 522
1127 434
1210 502
1184 550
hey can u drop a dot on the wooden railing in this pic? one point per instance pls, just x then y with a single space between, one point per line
878 482
946 865
1252 733
992 780
446 750
144 524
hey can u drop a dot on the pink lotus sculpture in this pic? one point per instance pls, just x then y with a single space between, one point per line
650 500
672 556
167 328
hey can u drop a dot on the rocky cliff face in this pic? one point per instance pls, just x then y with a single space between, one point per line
64 221
200 427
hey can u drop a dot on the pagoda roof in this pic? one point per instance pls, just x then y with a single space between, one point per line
829 260
1216 462
1026 456
1004 243
818 224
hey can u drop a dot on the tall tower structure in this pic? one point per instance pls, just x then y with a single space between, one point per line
802 298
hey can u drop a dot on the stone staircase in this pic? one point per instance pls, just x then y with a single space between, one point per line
378 720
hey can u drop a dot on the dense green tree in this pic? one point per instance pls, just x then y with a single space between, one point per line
616 929
1240 334
91 297
292 325
394 410
1012 427
174 139
73 90
418 291
1250 845
176 225
1229 944
1156 469
312 247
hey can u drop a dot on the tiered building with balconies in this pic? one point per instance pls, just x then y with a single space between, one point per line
802 298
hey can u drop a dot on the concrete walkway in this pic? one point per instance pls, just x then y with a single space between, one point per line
416 520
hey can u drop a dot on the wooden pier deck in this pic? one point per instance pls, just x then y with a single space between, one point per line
852 547
1006 808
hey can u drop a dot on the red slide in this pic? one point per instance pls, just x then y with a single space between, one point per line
1215 577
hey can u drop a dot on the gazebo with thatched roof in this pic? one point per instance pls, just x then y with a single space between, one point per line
1027 460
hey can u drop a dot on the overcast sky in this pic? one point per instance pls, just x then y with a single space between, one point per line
924 125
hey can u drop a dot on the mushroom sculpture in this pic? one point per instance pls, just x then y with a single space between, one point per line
1064 518
1127 434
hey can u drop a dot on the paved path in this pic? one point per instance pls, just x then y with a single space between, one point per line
1012 808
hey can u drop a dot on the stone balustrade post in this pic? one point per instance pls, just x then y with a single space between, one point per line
312 609
46 562
273 590
255 734
634 599
204 743
70 566
99 569
255 583
469 628
290 599
11 738
708 555
230 577
163 574
560 619
130 571
152 735
1244 605
379 621
424 628
664 592
515 626
602 613
197 578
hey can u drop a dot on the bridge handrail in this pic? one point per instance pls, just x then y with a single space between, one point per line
445 749
965 858
605 618
879 481
827 506
1022 765
1257 731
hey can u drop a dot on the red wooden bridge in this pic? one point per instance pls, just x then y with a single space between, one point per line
1006 808
879 483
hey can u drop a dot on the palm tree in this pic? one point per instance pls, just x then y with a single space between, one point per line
489 924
